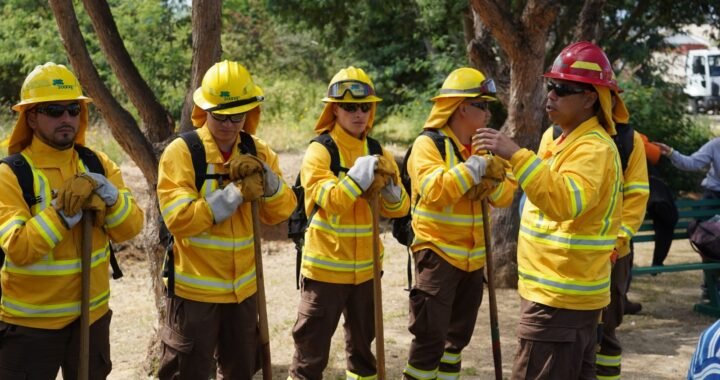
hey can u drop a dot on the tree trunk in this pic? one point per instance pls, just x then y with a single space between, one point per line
158 123
522 35
206 47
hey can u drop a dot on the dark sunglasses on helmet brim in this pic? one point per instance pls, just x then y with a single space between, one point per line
352 107
57 110
564 89
235 118
357 89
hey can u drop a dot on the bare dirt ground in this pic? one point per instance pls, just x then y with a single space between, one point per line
658 342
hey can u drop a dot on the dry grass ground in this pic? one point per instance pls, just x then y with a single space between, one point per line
658 342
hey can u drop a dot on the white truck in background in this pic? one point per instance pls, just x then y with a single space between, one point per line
702 85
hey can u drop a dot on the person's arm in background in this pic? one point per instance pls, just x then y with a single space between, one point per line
699 160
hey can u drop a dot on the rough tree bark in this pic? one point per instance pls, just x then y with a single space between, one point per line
522 35
206 49
143 147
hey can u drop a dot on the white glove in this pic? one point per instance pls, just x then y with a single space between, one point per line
105 189
223 203
391 193
476 165
272 181
363 171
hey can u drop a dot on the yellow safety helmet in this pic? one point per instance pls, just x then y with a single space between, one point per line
467 82
49 83
227 88
351 85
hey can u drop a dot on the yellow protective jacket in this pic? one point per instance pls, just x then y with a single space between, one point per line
41 276
571 218
214 263
636 191
443 219
338 241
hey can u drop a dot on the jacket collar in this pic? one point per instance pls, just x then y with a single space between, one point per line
590 125
348 141
45 156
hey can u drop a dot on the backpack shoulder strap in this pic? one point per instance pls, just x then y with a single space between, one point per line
374 146
90 159
197 154
624 140
22 170
439 141
247 144
327 141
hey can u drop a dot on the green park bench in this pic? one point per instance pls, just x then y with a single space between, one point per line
688 210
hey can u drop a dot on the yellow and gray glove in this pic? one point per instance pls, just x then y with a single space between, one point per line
476 165
363 171
252 187
105 189
271 181
73 193
391 193
224 202
97 205
242 166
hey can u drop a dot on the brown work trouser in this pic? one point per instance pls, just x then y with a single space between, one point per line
37 354
321 304
444 306
196 334
608 359
555 343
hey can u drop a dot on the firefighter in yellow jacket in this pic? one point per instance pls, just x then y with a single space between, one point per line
635 194
337 258
570 221
213 312
41 238
447 218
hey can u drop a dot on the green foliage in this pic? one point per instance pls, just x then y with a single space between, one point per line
658 112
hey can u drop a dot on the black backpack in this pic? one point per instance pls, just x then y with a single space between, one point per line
22 170
197 155
624 141
299 221
402 227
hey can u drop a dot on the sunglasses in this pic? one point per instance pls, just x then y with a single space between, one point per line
352 107
563 89
235 118
57 110
357 89
480 105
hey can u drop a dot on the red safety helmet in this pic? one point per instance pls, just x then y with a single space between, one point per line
584 62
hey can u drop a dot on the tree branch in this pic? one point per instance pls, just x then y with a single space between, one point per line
588 28
122 125
498 19
157 121
206 49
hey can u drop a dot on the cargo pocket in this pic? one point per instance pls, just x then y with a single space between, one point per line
310 314
422 310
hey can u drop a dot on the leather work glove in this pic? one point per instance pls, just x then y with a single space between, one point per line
74 192
224 202
363 171
482 190
384 173
391 193
105 189
97 205
476 165
271 181
495 168
243 166
252 187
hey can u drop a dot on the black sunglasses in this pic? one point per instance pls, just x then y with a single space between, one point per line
352 107
235 118
480 105
57 110
563 89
